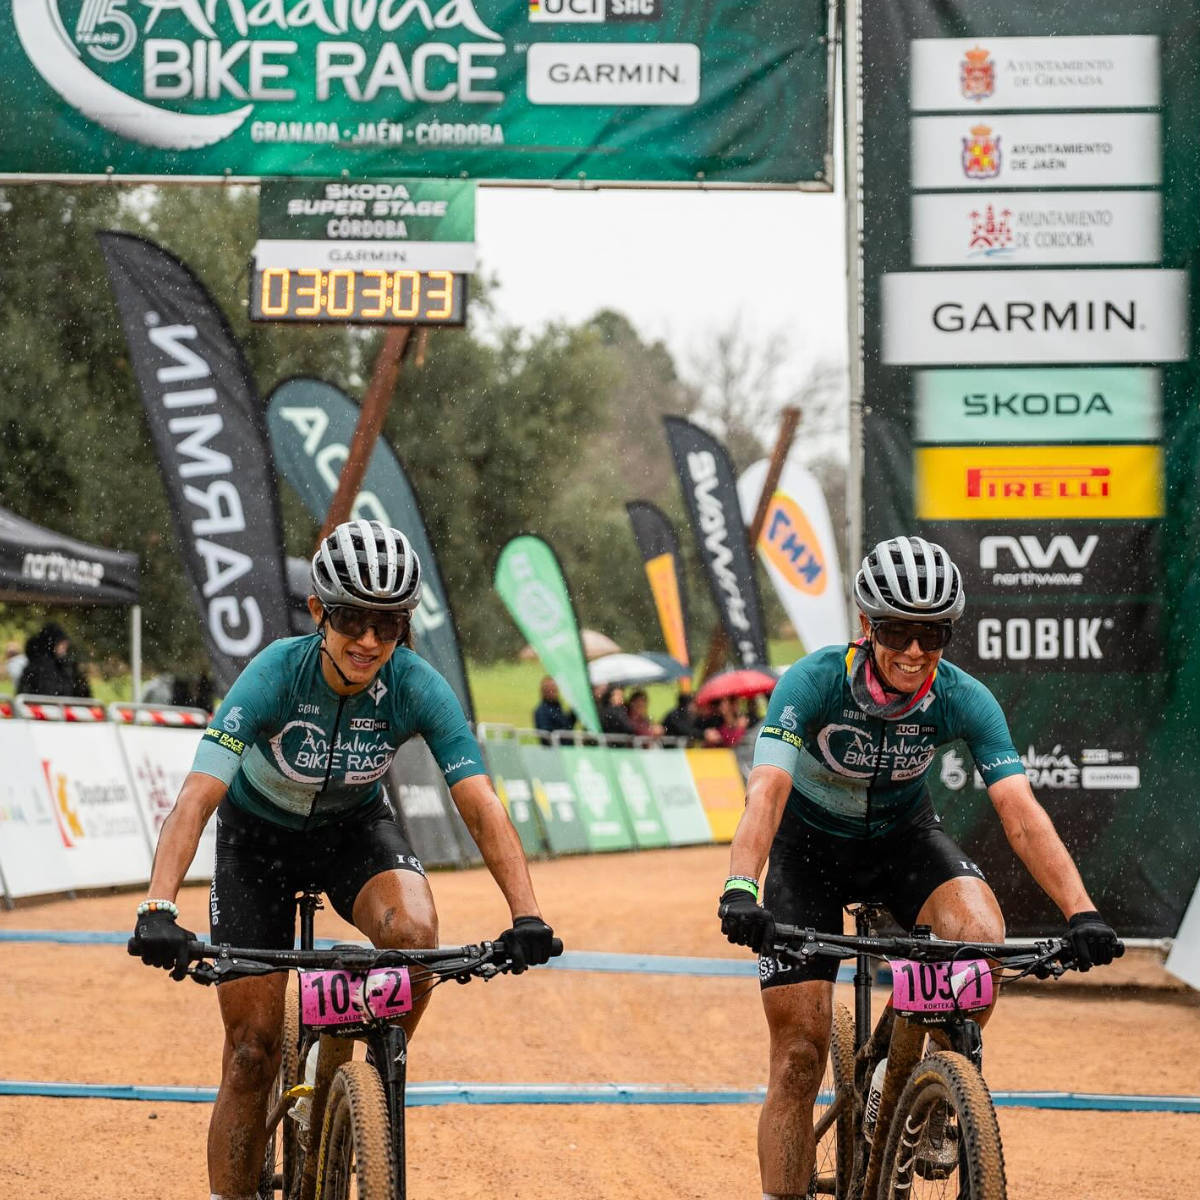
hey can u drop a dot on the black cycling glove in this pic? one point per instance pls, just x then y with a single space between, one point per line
160 942
1093 940
528 943
744 923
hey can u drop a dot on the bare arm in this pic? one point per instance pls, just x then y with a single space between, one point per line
481 809
1032 836
766 795
180 834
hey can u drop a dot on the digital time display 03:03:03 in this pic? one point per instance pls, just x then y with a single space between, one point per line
359 297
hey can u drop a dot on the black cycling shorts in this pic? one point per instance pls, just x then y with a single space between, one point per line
260 867
812 876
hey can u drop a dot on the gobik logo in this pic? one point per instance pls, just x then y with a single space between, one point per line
594 12
1019 639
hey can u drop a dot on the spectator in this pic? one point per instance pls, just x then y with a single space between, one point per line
638 711
14 662
51 671
733 724
614 718
159 689
682 721
550 716
708 722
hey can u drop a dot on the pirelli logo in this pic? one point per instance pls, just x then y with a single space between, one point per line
965 482
225 740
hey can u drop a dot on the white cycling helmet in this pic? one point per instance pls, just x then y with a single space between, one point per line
364 564
909 579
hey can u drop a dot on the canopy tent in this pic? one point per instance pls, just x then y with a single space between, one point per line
42 567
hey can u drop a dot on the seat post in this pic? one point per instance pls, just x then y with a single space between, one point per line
309 901
863 914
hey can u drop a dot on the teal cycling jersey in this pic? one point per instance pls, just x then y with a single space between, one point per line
855 775
295 752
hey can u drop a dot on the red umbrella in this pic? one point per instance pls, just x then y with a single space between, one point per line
744 681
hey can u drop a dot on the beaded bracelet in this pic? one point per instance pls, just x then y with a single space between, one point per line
743 883
149 906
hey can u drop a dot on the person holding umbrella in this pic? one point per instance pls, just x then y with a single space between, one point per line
837 798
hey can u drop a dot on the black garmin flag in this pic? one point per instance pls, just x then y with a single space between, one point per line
710 489
208 431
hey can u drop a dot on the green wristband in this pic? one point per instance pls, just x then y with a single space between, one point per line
742 883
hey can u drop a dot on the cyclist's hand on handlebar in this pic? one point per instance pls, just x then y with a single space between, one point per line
159 941
1093 940
529 943
744 923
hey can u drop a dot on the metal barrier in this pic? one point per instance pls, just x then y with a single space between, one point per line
170 715
57 708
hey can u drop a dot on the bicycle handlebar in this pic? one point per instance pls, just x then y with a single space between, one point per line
793 940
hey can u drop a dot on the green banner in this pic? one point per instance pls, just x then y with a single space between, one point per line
507 769
636 789
531 584
604 815
1031 221
555 798
699 91
678 801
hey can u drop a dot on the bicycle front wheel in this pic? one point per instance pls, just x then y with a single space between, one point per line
356 1144
944 1143
833 1114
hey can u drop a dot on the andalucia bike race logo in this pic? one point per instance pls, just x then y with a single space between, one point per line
183 74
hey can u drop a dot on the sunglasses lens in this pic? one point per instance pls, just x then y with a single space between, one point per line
354 622
899 635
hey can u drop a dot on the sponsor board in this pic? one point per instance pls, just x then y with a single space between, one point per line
1034 72
966 483
1031 559
613 73
1037 637
1066 404
1002 317
999 229
1047 150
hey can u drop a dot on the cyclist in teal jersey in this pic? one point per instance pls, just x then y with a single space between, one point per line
293 764
838 801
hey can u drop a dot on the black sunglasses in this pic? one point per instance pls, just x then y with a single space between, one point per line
354 622
899 635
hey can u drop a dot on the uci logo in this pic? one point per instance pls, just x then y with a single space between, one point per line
792 547
583 11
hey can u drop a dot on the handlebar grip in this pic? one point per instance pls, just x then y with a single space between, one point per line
556 947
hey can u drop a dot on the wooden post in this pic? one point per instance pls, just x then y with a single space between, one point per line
718 645
370 421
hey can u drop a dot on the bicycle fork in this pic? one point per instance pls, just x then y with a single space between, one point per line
388 1049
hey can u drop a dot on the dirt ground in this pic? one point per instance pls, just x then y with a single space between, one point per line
90 1014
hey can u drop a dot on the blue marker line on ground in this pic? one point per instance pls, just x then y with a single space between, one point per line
571 960
434 1094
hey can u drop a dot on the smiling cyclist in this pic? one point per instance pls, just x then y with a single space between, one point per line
293 763
837 798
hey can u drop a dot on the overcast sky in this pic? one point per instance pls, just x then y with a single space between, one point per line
680 264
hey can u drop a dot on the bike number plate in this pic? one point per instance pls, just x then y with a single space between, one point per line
961 986
336 997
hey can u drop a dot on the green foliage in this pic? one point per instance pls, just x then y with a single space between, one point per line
549 433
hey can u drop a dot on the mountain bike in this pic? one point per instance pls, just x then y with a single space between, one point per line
892 1121
335 1126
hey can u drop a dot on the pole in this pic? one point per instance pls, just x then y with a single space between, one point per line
370 421
718 646
135 651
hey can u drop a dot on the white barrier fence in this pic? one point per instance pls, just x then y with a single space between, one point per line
81 802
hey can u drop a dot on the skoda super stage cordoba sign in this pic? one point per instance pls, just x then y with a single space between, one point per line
616 90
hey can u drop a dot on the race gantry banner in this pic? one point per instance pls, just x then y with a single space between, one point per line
534 589
1029 201
797 547
686 91
207 426
311 425
659 546
709 486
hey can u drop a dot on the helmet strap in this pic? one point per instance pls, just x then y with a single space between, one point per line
333 661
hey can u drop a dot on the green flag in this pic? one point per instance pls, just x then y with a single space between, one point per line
531 584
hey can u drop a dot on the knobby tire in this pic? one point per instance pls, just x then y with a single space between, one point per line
834 1161
944 1083
356 1145
282 1150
